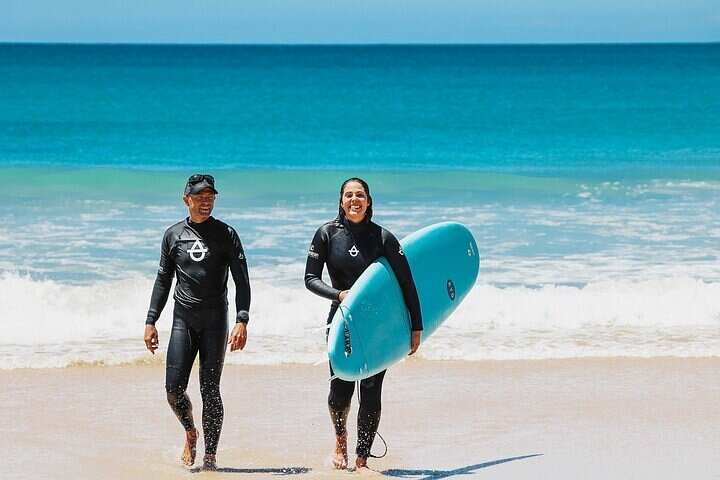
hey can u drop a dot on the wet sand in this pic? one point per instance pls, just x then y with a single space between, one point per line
553 419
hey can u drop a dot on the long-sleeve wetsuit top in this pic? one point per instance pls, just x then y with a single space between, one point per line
348 249
199 254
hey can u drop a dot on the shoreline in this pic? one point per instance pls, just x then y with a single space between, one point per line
560 419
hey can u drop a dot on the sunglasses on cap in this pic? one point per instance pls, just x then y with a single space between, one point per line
199 177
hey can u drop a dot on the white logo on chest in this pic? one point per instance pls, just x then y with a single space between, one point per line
353 251
197 251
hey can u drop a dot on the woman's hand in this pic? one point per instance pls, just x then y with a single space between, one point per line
415 341
342 295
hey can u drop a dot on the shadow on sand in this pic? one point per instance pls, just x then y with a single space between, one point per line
271 471
432 474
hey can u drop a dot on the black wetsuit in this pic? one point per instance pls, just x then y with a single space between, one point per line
348 249
199 255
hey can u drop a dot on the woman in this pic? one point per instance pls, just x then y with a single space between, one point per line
348 245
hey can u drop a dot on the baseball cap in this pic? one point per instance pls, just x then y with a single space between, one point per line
198 182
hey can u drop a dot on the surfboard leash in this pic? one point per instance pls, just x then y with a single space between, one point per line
384 443
377 432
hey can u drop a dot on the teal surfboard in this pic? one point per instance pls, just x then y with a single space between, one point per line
371 329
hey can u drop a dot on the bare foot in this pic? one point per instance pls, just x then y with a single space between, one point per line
362 468
209 462
188 455
340 456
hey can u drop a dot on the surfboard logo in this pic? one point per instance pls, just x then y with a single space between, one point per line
353 251
198 249
451 289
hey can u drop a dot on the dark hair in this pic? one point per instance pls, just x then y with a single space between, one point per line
368 212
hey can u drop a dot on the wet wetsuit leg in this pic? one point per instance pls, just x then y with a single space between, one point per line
341 391
368 419
182 350
204 332
369 412
340 397
212 346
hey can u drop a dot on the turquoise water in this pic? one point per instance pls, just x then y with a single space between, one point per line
590 176
535 109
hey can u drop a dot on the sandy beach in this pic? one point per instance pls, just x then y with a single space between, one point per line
569 419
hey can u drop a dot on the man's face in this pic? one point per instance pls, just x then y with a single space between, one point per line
200 204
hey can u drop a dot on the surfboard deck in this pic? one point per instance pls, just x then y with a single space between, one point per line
371 329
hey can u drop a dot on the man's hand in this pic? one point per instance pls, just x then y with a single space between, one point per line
238 337
151 338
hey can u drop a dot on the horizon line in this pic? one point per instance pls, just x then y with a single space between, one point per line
357 44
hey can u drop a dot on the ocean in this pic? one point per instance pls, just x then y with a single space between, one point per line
589 175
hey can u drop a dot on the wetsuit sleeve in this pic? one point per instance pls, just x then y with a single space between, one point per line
316 259
163 281
398 262
239 271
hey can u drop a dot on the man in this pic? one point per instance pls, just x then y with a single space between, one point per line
199 251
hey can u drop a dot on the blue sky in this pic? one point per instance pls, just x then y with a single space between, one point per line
359 21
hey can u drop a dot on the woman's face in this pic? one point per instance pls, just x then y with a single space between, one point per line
354 202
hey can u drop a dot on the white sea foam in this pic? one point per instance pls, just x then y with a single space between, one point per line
49 324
